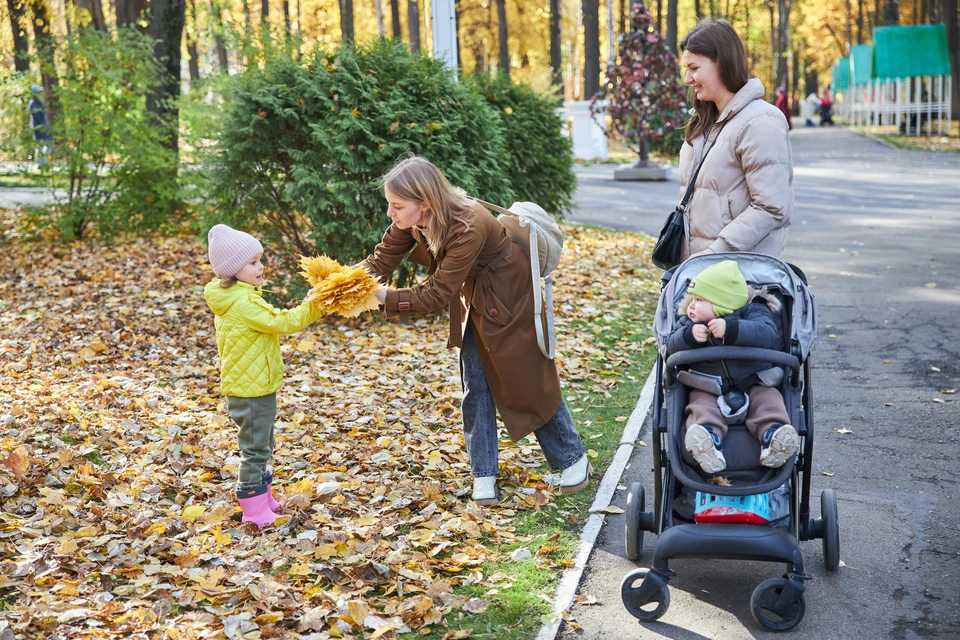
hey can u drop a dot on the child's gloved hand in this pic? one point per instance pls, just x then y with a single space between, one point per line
700 332
718 327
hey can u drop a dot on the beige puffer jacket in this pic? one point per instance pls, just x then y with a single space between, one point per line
743 199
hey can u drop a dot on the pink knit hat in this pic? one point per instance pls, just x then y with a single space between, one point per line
231 249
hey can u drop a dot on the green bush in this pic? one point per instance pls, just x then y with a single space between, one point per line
302 145
120 178
16 136
539 156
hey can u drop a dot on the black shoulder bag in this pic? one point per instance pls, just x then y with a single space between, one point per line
666 253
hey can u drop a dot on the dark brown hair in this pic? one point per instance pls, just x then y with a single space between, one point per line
714 39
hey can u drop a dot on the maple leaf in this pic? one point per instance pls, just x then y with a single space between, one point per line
18 462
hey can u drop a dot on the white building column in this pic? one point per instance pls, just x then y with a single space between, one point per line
589 137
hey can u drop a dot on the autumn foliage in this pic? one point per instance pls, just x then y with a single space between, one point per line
118 461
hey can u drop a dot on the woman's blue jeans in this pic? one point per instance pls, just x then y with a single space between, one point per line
558 438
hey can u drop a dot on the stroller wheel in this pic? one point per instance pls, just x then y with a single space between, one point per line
764 600
633 533
629 594
831 529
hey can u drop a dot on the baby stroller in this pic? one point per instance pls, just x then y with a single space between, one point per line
777 603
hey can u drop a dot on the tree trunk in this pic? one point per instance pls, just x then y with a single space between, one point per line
624 16
17 11
395 17
413 25
783 40
812 83
167 19
285 7
43 41
264 14
849 29
659 17
713 9
456 17
556 58
672 25
504 59
222 59
891 12
795 83
128 12
591 47
191 36
948 13
346 20
859 21
696 9
378 10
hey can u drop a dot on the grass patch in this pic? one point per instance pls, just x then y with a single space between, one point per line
552 534
947 142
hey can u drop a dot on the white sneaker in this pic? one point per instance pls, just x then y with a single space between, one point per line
778 445
485 491
577 476
706 448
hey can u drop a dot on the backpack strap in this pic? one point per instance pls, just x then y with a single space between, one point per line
546 339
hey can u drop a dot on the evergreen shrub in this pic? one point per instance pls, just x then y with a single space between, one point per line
302 145
539 156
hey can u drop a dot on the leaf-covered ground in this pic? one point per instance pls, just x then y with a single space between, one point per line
118 462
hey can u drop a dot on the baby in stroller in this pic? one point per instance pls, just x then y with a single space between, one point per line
719 308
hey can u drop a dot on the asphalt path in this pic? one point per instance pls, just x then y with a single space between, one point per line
877 231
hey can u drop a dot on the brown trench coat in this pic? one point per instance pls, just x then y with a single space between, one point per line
483 275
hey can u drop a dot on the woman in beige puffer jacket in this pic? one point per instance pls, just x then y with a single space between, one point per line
743 198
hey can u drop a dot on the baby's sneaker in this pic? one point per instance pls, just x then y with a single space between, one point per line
706 448
778 444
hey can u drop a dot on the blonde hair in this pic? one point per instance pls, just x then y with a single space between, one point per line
416 178
229 281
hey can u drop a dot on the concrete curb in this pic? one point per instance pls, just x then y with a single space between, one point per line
876 139
570 581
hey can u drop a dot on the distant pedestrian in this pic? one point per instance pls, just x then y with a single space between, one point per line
40 126
808 109
743 197
783 103
826 108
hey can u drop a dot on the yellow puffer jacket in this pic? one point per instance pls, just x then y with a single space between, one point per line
247 337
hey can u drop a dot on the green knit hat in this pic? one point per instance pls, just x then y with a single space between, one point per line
722 285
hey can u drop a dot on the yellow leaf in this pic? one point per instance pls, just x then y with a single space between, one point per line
67 547
939 400
829 474
832 335
887 361
508 110
269 618
355 112
193 512
948 392
621 418
307 345
843 431
608 509
300 570
220 537
592 453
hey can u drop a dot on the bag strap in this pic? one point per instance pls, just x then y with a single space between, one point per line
546 339
693 178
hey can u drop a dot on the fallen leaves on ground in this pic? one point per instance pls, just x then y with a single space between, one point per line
118 461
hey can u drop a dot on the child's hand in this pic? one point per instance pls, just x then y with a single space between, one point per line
718 327
381 294
700 332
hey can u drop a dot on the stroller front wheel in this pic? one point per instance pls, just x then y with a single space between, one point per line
629 593
765 600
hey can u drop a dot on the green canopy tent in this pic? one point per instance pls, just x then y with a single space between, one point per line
904 77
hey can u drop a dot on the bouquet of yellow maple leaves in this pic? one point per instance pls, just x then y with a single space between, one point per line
347 291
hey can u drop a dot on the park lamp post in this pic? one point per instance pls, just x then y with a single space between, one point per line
445 32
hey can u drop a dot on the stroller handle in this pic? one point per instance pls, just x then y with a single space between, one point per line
778 358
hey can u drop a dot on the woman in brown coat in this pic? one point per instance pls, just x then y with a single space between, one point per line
743 197
483 275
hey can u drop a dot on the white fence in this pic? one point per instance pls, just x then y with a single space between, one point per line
908 101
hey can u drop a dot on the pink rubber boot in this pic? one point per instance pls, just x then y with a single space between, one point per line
255 507
271 501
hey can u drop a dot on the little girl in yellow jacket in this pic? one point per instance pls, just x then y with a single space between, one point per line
251 367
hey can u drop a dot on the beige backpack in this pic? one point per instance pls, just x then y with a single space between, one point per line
542 240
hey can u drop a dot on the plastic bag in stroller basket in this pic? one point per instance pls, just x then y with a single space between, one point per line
760 509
